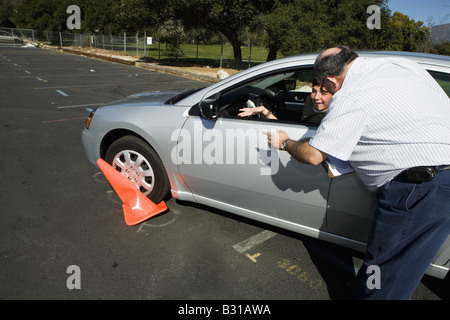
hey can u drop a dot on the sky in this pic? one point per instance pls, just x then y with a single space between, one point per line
422 9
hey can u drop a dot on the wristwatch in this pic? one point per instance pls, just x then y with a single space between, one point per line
283 144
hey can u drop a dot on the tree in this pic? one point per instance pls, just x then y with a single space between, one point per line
100 16
441 48
172 32
405 33
283 26
103 16
296 27
302 26
348 23
136 15
229 17
6 12
43 14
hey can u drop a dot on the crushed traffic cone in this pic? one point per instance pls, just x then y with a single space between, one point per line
136 207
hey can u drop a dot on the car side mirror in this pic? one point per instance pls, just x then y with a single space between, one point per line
209 109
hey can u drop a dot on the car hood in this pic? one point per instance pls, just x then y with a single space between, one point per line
156 97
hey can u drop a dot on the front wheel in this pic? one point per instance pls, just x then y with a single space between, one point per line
141 165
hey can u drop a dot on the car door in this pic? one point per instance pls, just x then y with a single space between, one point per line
228 163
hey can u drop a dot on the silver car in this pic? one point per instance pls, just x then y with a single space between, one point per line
193 146
6 37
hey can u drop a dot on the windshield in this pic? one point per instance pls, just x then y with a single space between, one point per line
181 96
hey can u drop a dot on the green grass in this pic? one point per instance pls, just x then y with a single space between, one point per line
201 55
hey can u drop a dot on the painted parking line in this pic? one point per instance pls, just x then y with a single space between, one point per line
62 120
130 84
62 93
251 242
80 105
91 86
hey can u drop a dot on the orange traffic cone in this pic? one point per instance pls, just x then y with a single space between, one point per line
136 207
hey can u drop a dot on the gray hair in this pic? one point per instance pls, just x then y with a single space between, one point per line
333 64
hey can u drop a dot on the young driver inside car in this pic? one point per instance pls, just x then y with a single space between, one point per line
312 112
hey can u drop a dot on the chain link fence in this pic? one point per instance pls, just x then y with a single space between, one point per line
144 46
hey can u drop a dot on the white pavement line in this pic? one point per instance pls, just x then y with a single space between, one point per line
257 239
90 86
62 120
80 105
62 93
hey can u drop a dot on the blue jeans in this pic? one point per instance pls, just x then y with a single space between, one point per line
411 222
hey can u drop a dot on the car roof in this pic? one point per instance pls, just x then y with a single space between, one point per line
437 62
416 56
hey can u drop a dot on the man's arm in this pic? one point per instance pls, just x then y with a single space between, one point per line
299 150
303 152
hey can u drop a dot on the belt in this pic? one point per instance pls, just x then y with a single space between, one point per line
423 174
444 168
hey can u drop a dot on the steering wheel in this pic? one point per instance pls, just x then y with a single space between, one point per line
263 98
268 101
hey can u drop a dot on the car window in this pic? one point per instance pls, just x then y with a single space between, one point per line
284 93
443 79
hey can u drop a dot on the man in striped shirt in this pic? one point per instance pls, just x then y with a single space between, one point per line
391 120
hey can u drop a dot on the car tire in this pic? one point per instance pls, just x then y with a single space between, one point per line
139 162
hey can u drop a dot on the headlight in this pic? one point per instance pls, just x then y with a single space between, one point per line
91 115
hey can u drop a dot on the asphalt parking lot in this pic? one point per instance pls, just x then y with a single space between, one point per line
57 210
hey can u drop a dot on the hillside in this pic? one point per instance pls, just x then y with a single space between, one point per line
440 33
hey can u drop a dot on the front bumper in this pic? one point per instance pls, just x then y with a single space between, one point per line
90 145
